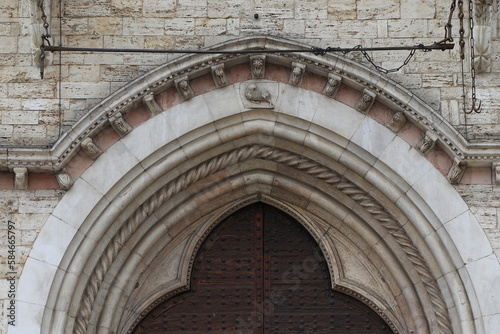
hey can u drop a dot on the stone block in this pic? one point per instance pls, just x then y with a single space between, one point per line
179 26
143 26
206 27
105 26
192 8
9 44
20 117
418 9
235 8
280 8
86 90
87 8
311 10
75 26
130 42
407 28
161 8
378 9
342 9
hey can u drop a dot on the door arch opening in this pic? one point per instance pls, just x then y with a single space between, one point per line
260 271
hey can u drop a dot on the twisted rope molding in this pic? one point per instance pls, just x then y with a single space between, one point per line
274 154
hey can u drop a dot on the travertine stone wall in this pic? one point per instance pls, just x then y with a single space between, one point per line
32 109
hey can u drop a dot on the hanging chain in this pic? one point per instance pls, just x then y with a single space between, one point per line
45 37
476 105
461 31
380 68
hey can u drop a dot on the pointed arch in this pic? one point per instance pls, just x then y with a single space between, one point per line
359 187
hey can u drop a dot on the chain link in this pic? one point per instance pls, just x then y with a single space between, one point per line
380 68
475 106
45 37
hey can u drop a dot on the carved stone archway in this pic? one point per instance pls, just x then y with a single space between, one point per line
326 147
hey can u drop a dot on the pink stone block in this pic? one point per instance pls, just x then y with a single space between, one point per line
239 73
106 138
313 82
78 165
7 181
439 159
477 175
203 84
348 96
411 134
168 98
277 73
137 116
42 181
380 113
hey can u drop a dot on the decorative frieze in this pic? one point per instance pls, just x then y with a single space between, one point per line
456 172
397 121
258 66
297 74
151 104
91 149
427 143
184 88
20 178
366 101
119 124
332 85
219 75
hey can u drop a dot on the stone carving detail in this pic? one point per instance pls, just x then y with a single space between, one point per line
219 75
64 180
496 172
332 85
20 178
90 148
427 143
151 104
119 125
184 88
258 66
456 172
366 101
303 164
482 35
397 121
297 74
259 97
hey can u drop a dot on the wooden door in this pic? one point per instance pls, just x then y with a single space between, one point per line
260 271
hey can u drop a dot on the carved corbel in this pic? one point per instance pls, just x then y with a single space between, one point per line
366 101
332 85
184 88
258 66
297 75
119 124
397 121
219 75
151 104
20 178
496 172
456 172
427 143
90 148
64 180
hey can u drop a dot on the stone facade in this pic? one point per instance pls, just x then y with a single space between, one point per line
60 135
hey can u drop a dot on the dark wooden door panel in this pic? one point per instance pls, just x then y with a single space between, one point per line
260 271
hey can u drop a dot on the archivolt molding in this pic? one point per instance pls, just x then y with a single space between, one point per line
281 156
183 69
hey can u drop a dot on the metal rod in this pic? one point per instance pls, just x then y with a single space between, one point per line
435 46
